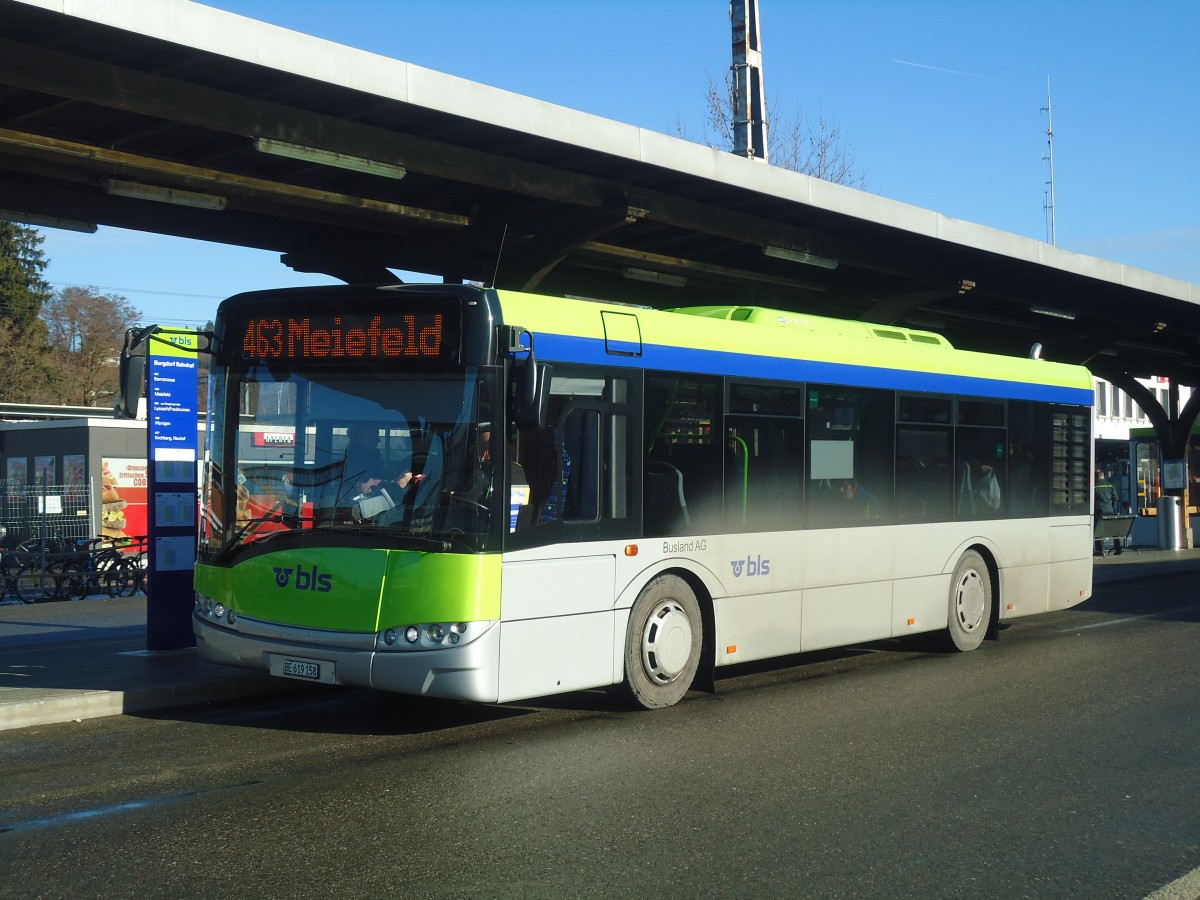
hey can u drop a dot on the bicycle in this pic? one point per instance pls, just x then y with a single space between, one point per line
127 576
36 568
101 566
9 567
142 585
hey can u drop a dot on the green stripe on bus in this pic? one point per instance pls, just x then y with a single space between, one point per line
351 589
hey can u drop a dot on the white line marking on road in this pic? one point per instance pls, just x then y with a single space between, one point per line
1155 615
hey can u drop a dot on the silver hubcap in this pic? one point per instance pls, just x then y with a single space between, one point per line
666 642
970 601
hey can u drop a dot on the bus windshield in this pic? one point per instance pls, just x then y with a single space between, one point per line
403 458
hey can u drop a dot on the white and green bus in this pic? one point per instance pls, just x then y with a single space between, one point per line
557 494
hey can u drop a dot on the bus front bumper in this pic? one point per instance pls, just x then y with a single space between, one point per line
465 672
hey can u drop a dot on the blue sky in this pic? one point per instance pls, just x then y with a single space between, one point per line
940 102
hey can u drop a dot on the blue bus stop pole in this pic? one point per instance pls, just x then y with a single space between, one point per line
172 454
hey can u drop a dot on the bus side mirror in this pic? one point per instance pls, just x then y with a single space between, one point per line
133 376
132 371
533 394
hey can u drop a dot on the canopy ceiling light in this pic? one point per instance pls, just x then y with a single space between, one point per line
800 256
329 158
174 196
24 218
654 277
1051 311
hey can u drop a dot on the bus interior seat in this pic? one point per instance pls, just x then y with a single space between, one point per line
962 489
701 465
665 501
910 488
552 506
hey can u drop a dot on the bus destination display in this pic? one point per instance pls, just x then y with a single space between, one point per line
412 336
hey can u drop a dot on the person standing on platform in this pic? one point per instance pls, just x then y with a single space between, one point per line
1107 503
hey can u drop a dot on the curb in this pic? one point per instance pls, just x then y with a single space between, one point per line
53 706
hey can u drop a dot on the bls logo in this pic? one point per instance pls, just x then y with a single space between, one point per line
751 567
305 581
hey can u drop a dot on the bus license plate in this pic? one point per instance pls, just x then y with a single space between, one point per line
300 668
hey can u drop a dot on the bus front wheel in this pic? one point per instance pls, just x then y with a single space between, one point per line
662 643
970 602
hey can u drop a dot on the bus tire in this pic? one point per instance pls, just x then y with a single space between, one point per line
970 602
662 643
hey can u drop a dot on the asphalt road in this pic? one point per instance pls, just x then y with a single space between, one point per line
1062 761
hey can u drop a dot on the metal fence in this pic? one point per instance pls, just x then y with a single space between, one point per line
46 511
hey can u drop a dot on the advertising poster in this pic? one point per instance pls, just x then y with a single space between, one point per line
122 497
74 471
44 469
17 474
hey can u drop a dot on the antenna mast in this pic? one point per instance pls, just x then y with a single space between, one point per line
1048 196
749 102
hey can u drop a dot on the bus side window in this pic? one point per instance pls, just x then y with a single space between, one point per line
539 456
1028 458
683 432
764 456
580 469
550 509
850 440
561 465
981 459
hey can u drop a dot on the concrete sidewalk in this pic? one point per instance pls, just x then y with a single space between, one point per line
74 660
68 661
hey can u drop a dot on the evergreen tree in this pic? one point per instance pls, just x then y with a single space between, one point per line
23 292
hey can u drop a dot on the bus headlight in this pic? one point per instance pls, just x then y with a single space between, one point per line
215 611
429 635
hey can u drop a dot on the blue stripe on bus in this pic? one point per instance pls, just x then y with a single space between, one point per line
565 348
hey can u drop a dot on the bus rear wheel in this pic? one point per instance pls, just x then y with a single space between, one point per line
970 602
662 643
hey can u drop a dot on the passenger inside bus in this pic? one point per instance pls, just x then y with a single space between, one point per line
862 501
362 461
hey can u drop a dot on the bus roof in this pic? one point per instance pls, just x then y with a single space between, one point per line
783 345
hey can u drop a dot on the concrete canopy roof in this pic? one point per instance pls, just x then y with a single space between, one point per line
108 109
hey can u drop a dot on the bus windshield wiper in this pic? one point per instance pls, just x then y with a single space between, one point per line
400 540
271 515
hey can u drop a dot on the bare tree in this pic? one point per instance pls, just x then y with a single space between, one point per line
24 362
816 148
85 331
